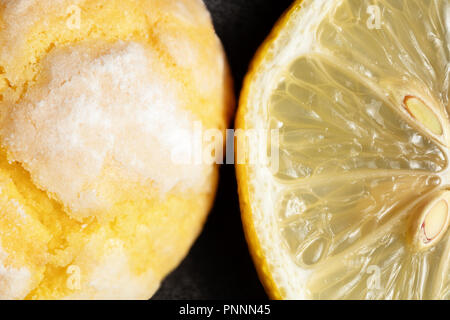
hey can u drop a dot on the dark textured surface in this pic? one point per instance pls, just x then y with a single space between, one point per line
219 265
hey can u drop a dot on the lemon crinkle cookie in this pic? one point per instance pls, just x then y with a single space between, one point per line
95 96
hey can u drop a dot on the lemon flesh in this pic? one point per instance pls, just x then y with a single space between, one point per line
356 167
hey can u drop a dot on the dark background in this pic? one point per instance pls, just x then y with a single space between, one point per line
218 265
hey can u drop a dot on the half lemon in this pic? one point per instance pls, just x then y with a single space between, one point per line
353 200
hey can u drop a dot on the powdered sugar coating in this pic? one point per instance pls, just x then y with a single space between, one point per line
98 121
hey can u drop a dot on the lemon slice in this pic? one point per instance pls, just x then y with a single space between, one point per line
357 205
